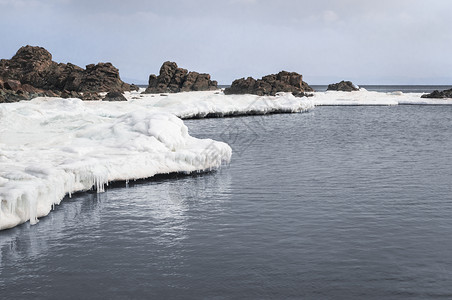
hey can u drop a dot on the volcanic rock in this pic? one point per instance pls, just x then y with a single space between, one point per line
270 85
344 86
439 94
173 79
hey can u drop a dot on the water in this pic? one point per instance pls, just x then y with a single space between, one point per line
338 203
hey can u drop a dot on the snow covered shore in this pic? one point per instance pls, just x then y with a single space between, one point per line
191 105
216 104
364 97
53 147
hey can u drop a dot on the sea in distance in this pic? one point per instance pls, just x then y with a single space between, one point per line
337 203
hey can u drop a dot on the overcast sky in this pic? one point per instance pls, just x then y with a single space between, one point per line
368 42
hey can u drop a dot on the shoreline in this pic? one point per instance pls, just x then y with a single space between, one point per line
82 131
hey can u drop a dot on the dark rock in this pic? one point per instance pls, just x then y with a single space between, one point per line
13 85
13 91
49 93
8 96
173 79
244 86
134 87
70 94
439 94
302 94
102 77
32 67
203 83
270 85
344 86
90 96
114 96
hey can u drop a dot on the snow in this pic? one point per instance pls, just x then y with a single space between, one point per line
53 147
190 105
364 97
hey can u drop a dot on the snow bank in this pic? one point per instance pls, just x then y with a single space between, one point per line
215 104
53 147
364 97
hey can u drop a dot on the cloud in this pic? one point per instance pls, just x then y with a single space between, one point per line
19 4
235 38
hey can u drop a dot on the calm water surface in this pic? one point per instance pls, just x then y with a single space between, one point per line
341 202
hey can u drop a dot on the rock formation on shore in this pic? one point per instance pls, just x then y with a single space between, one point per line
439 94
270 85
31 73
344 86
173 79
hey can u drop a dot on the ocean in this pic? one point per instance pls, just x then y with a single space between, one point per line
337 203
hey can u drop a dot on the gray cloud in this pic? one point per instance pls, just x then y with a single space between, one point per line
398 41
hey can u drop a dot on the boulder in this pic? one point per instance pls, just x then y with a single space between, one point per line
172 79
114 96
439 94
270 85
344 86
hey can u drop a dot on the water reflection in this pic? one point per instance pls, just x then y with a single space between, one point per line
26 241
155 212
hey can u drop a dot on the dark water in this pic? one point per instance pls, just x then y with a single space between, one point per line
338 203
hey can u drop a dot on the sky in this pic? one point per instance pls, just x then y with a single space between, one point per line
367 42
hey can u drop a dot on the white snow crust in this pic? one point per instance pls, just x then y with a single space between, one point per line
51 147
364 97
190 105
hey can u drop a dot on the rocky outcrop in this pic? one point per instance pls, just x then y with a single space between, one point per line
270 85
439 94
173 79
114 96
34 67
344 86
14 90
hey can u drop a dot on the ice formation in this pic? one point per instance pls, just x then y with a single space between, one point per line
53 147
